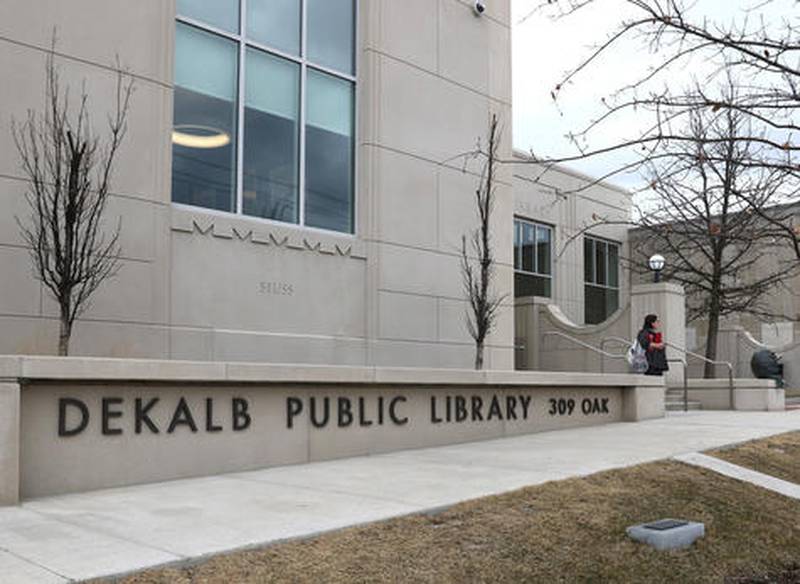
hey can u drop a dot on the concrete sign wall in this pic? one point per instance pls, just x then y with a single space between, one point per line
154 421
78 437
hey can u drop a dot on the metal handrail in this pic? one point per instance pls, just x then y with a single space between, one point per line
629 342
731 394
707 360
583 344
728 364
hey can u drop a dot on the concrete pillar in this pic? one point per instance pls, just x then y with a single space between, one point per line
9 443
668 301
642 403
527 332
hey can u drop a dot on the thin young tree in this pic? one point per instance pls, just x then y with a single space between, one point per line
478 264
703 220
69 170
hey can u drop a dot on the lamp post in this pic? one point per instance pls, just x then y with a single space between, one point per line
656 263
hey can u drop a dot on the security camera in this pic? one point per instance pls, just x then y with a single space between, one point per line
479 8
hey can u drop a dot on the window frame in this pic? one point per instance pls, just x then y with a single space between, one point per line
243 43
607 242
518 251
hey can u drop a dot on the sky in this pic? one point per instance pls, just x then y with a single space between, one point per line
545 48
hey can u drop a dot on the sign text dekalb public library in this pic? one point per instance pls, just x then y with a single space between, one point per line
113 415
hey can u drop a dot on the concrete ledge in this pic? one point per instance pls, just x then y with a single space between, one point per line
723 383
9 443
759 400
751 395
643 403
102 369
657 287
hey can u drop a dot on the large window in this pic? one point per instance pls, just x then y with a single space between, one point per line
533 259
264 109
601 279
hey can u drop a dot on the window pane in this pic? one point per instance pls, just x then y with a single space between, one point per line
275 23
271 134
331 32
588 260
594 304
530 285
204 136
517 244
543 249
329 152
612 302
222 14
600 257
613 265
528 239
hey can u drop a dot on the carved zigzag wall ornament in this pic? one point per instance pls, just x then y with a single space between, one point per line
231 229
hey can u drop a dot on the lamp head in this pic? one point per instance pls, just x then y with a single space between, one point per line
656 263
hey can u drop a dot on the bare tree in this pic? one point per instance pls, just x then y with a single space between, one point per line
759 52
708 220
478 273
69 172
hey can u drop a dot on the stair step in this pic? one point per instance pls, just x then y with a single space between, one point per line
677 405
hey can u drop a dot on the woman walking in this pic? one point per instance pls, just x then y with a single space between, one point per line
652 341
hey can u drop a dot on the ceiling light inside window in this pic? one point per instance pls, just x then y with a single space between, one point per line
194 136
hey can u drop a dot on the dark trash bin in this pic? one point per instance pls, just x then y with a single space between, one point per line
767 365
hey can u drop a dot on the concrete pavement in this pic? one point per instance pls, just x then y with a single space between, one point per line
740 473
74 537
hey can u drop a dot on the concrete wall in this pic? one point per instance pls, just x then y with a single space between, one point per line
547 340
539 326
575 205
131 315
201 285
77 424
736 345
436 73
752 395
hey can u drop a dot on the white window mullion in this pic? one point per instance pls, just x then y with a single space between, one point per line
241 94
272 51
332 72
207 27
303 77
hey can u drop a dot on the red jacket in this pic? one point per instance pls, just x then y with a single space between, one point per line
654 337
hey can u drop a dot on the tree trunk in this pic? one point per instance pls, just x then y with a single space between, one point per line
713 316
709 369
479 355
64 334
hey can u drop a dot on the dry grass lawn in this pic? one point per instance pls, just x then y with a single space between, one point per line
778 456
566 531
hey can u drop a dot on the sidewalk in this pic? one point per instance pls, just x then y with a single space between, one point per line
75 537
